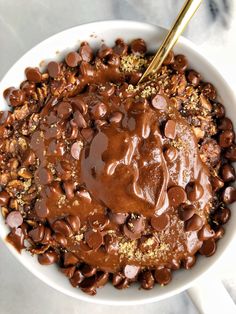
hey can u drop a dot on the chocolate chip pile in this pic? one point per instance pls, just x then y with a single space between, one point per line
111 180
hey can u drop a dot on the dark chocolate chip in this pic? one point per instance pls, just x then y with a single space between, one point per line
186 212
74 222
170 154
208 247
147 280
231 153
194 223
180 63
194 191
225 124
189 262
226 138
193 77
229 195
228 173
169 59
205 233
48 258
138 46
222 215
70 259
118 218
86 52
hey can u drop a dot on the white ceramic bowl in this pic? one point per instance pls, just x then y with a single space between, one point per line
55 47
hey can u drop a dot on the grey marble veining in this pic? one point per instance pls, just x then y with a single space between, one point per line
23 24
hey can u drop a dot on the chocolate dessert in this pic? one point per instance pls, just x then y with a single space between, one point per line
114 180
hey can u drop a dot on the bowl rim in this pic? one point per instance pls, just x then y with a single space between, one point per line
126 24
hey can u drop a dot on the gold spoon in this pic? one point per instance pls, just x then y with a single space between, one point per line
185 15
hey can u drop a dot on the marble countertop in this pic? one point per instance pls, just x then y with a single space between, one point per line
25 23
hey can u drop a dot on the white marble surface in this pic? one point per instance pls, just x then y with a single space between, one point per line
23 24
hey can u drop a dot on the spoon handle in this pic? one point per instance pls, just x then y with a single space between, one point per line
185 15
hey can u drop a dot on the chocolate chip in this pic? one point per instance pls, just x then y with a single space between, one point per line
117 278
80 105
228 173
70 259
107 89
219 110
205 233
226 138
136 224
118 218
231 153
193 224
170 129
69 187
53 69
28 158
76 150
41 208
170 154
79 119
161 222
194 78
216 183
54 190
64 110
101 279
60 239
48 258
33 75
209 91
194 191
45 176
73 59
189 262
177 196
115 117
74 222
94 239
162 276
222 215
208 247
180 63
131 271
219 232
4 198
68 271
129 234
37 233
88 270
121 47
169 59
84 194
186 212
229 195
88 285
147 280
77 278
16 97
225 124
138 46
98 221
62 227
111 244
160 102
86 52
98 111
28 87
14 219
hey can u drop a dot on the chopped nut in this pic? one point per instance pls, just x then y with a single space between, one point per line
25 173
